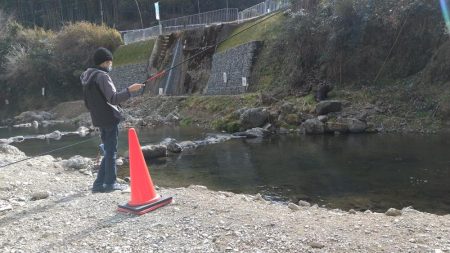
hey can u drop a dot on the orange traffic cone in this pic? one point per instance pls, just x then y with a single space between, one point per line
143 195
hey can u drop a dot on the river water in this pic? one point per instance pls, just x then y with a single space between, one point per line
362 172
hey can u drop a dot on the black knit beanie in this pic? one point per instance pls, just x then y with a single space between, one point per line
101 55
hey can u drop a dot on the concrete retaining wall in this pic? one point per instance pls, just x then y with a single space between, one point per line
124 76
237 64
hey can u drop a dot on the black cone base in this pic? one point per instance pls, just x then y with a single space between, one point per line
139 210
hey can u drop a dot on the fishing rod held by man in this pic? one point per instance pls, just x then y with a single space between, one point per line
103 102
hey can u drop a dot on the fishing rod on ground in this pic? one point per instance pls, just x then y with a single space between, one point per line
164 71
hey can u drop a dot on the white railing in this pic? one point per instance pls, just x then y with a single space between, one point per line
261 9
140 35
204 19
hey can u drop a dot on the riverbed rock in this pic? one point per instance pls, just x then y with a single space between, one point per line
334 126
293 207
253 133
258 197
39 195
24 125
254 117
5 206
292 119
304 203
328 106
172 145
56 135
316 245
323 118
30 116
283 131
119 162
187 145
154 151
313 126
393 212
83 131
10 150
355 125
78 163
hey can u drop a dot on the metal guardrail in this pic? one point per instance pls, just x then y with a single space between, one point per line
204 19
261 9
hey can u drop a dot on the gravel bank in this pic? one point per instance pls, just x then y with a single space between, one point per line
47 208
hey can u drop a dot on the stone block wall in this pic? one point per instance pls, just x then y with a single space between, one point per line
237 63
124 76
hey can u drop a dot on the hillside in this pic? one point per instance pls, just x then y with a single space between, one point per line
385 59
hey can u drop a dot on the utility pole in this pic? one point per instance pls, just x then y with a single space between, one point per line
140 15
227 12
101 10
198 8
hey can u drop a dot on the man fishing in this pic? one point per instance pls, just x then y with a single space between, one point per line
102 101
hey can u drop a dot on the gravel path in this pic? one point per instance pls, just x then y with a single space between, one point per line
47 208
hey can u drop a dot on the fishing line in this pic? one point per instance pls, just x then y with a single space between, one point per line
153 77
48 152
162 72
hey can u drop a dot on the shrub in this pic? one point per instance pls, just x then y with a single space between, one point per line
75 45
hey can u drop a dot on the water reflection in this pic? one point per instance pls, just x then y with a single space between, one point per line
358 171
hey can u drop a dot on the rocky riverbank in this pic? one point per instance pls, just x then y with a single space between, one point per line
47 207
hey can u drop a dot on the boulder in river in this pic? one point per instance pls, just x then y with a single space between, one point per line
56 135
154 151
356 126
254 117
172 145
328 106
313 126
253 133
187 145
83 131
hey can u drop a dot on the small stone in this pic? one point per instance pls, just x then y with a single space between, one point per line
293 207
5 207
127 190
316 245
227 194
39 195
323 118
352 211
393 212
198 187
258 197
368 212
121 181
304 203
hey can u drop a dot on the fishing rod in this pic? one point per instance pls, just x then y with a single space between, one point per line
151 78
162 72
